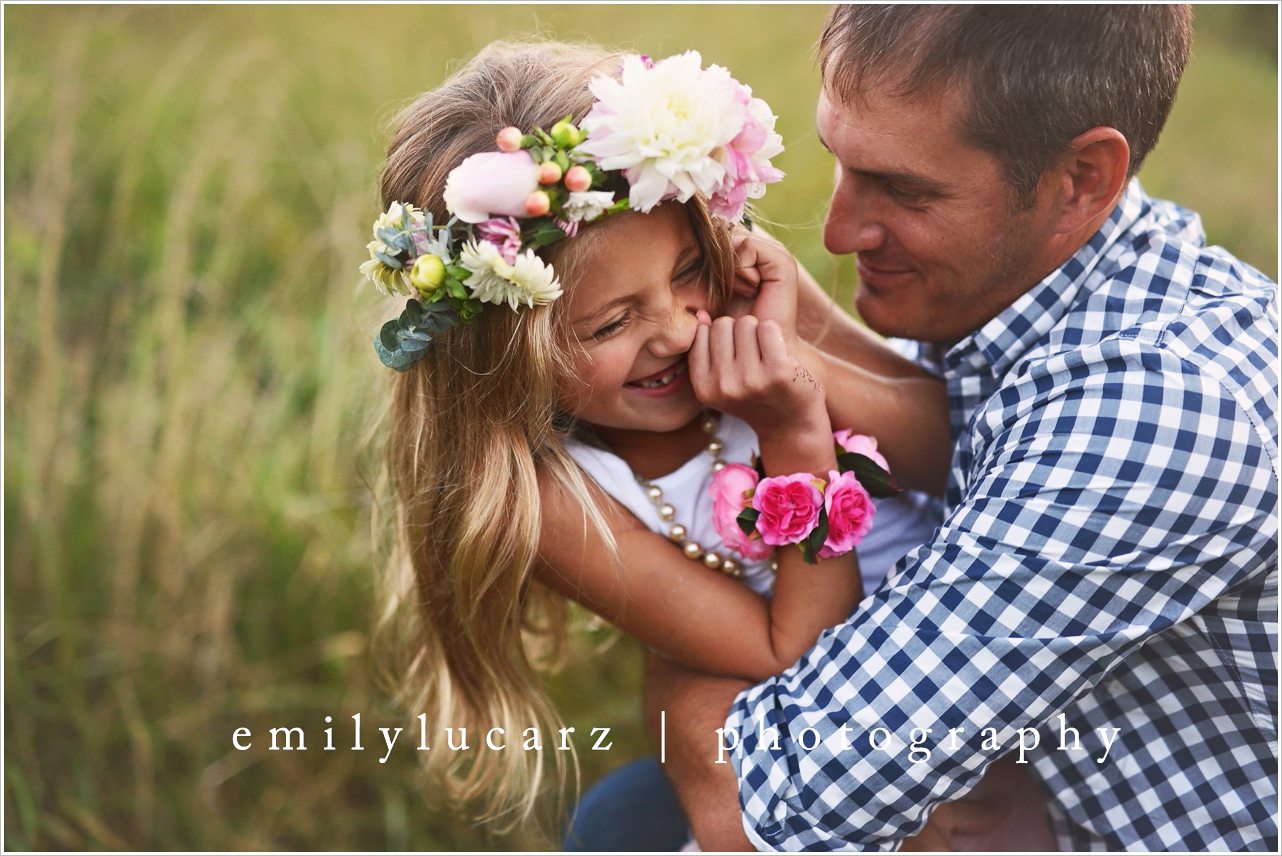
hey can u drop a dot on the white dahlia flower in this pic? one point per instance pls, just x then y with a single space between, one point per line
664 124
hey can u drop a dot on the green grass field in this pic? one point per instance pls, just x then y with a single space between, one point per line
188 369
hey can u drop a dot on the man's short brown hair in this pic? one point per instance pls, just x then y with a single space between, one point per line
1033 77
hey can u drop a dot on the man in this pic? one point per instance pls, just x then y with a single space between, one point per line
1101 597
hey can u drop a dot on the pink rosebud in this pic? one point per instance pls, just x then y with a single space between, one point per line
537 204
549 173
860 444
850 512
727 491
577 179
491 184
509 139
789 507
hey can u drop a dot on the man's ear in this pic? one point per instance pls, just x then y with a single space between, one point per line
1090 176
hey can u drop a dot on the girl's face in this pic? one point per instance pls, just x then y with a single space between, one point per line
632 315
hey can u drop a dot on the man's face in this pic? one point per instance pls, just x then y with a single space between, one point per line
940 248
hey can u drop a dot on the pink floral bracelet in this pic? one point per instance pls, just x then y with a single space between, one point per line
754 513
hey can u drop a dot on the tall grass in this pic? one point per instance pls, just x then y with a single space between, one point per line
188 368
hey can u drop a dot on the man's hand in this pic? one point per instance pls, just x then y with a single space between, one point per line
697 705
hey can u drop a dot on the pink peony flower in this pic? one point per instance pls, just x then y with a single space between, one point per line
727 491
850 512
860 444
747 158
491 184
789 507
504 233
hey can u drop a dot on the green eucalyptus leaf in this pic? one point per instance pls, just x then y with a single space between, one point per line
390 261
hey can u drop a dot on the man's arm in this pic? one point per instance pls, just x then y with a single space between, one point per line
829 327
1096 517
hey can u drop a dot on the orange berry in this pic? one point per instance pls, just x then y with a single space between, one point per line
577 179
509 139
537 204
549 173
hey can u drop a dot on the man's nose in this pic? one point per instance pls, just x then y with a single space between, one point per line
851 226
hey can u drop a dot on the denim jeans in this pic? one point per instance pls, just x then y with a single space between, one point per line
632 808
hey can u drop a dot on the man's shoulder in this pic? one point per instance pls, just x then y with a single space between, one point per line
1158 279
1159 289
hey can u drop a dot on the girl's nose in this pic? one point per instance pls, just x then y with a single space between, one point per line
677 335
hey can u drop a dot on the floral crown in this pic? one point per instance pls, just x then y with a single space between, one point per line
657 131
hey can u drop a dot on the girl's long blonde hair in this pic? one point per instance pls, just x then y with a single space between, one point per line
469 430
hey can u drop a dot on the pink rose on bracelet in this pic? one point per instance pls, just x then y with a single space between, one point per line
789 507
850 511
860 444
727 490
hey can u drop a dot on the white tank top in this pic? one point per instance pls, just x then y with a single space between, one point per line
899 523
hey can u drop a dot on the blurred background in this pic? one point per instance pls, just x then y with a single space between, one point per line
188 369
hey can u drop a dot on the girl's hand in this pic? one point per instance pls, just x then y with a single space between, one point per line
765 282
743 366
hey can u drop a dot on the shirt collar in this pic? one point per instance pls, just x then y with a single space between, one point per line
1005 338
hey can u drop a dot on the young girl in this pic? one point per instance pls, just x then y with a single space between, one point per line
565 395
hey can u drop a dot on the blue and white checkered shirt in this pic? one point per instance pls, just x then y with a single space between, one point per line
1108 560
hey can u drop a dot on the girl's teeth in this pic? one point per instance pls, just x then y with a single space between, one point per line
663 381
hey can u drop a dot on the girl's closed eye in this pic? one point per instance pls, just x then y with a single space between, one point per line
691 270
613 327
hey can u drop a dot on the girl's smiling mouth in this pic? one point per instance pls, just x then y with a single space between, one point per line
663 382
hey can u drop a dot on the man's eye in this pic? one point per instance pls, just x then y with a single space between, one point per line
908 197
612 328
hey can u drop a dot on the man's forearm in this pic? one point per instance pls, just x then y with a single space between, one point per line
907 415
696 706
834 330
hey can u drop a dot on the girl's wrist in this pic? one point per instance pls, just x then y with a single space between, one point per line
813 359
809 451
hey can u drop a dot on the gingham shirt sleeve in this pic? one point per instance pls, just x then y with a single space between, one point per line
1112 493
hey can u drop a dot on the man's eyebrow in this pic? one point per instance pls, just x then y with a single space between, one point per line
896 176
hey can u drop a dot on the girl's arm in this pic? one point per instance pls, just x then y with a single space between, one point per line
702 619
699 617
871 389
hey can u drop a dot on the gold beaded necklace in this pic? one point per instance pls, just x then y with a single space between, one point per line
679 533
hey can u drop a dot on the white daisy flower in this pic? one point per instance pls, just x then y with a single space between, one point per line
389 281
536 279
587 205
528 282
